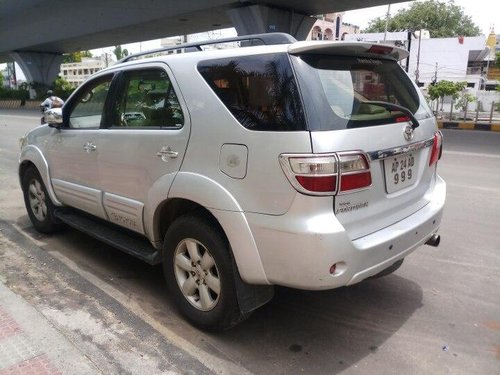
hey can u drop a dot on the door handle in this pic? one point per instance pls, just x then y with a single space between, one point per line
89 146
167 152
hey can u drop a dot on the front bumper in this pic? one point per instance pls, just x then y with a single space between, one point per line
297 249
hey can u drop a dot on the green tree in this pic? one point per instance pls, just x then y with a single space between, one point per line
76 56
497 59
62 88
448 88
120 53
442 19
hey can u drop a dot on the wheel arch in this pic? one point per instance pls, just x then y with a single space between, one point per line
31 156
232 225
191 192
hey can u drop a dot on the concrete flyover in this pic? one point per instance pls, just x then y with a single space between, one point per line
35 33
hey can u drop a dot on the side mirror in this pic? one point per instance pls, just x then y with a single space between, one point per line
53 117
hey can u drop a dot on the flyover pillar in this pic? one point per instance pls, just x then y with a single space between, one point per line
257 19
39 66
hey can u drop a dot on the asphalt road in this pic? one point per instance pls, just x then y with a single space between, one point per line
438 314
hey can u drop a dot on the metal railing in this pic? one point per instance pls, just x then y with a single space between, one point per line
480 113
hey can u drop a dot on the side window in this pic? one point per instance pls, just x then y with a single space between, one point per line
88 110
148 100
260 91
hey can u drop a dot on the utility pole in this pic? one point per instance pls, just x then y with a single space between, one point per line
409 50
487 68
387 16
417 72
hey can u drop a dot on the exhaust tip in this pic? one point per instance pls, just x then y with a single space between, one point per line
434 240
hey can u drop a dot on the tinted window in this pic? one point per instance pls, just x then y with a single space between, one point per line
88 106
340 91
147 99
260 91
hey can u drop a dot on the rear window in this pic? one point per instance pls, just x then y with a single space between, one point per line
260 91
340 91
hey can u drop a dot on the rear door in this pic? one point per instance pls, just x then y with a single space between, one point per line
352 106
144 144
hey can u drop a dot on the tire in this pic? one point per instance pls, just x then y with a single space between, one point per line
388 270
38 204
199 273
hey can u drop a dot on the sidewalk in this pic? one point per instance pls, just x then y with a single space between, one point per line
469 125
30 345
56 318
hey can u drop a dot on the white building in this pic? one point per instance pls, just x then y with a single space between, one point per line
435 59
76 73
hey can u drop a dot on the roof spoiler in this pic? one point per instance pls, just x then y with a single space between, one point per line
362 49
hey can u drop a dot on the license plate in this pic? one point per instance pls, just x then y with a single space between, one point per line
400 171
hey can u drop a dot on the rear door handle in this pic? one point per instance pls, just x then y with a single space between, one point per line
89 146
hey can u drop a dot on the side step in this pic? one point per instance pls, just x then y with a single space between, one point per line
122 239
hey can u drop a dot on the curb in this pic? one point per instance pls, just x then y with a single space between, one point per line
495 127
16 104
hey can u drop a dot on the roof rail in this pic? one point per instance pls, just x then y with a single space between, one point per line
266 39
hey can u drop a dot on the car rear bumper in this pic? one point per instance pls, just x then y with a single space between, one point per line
298 249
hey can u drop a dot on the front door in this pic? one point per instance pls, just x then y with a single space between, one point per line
73 151
146 142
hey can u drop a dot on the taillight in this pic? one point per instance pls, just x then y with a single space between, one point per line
354 172
402 119
437 148
381 50
327 174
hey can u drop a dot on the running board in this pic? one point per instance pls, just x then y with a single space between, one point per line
122 239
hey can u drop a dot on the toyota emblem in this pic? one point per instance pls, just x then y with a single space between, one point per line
408 133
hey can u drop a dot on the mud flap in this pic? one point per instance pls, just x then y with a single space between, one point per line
250 297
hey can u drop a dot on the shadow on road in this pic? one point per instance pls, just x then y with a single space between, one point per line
297 332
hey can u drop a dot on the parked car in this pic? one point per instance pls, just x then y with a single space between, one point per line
311 165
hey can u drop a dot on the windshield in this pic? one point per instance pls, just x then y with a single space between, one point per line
342 92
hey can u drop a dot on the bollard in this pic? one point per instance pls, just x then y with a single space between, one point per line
477 110
451 111
465 110
491 112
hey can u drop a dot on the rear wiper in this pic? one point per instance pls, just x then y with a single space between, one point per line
413 121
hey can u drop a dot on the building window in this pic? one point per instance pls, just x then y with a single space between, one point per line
328 34
316 33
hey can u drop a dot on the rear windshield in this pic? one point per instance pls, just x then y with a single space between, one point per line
260 91
341 92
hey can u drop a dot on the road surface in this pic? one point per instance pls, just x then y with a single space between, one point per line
439 313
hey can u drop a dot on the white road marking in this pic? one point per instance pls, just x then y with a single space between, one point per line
21 117
471 187
473 154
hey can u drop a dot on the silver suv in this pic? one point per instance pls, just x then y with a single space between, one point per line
310 165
